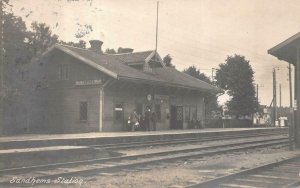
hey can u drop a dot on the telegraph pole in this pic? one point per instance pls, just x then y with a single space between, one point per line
1 70
274 96
279 100
291 122
212 75
1 48
257 92
156 27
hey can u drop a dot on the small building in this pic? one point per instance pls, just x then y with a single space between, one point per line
89 91
289 51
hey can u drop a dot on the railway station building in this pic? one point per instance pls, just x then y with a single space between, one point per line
289 51
89 91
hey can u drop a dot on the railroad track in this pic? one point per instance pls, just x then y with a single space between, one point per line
115 164
183 141
281 174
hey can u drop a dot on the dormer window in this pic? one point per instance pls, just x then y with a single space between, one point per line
147 67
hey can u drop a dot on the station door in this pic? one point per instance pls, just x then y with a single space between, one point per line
176 117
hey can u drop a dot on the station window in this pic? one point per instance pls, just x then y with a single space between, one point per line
83 111
190 113
187 114
193 113
139 108
158 111
118 112
63 73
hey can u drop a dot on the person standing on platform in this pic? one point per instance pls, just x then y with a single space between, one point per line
135 121
153 120
147 119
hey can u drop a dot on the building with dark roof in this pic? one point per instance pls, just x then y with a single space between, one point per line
89 91
289 51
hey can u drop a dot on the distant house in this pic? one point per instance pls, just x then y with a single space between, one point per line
88 91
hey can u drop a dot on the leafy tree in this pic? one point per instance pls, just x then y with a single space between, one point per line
167 60
124 50
41 38
211 101
80 44
110 51
15 51
193 71
237 77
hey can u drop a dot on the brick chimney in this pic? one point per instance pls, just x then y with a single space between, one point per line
96 46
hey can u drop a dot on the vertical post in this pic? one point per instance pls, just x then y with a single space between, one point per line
101 101
274 97
257 91
291 110
1 48
297 97
1 69
279 100
295 101
156 27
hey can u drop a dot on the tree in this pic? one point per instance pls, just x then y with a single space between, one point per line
211 101
41 38
193 71
237 77
79 44
110 51
167 60
15 51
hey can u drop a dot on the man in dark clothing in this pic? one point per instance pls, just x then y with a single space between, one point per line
147 119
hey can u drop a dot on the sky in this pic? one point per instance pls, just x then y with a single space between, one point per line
194 32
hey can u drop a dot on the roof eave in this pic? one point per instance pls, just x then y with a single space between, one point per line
281 49
85 60
215 90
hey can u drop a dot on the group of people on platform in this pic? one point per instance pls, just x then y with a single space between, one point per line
146 122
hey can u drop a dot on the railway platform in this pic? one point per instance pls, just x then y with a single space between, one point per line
100 138
79 154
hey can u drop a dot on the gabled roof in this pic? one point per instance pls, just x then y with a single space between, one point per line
116 67
287 50
132 57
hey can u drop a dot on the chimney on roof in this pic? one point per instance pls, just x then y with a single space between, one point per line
125 50
96 46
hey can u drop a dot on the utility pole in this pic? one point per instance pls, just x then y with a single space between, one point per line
1 48
257 92
1 70
212 75
274 97
291 122
156 27
279 100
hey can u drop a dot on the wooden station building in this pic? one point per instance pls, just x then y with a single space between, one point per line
289 51
89 91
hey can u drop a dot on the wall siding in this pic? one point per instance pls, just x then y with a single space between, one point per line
64 96
130 97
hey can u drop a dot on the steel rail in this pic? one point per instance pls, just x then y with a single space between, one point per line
180 141
219 180
118 166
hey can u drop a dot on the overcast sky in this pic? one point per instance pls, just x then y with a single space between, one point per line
194 32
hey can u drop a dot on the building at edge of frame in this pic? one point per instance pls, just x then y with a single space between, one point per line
289 51
89 91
